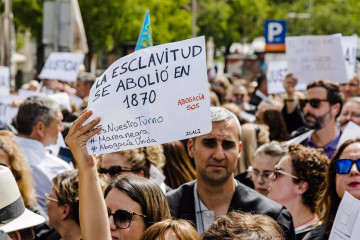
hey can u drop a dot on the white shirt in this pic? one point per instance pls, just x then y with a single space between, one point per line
44 166
204 216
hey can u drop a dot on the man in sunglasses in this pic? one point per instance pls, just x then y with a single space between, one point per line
216 192
321 107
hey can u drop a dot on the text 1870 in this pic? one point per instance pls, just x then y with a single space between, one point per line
133 99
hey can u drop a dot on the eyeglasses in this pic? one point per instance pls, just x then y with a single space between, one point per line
278 172
343 166
255 173
48 199
123 218
116 170
314 102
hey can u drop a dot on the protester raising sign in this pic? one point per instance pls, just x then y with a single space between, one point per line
4 81
62 66
316 57
152 96
275 75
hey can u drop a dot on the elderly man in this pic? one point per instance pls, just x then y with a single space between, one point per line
216 192
84 83
39 120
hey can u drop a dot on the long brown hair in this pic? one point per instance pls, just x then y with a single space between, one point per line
330 200
145 192
178 168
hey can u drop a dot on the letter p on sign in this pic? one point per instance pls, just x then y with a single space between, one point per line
275 29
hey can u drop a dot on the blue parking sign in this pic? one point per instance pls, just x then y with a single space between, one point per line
275 31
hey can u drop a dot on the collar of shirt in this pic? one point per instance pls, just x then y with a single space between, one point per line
204 216
329 149
30 146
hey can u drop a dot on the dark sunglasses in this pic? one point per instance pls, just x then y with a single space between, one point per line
314 102
278 172
116 170
123 218
343 166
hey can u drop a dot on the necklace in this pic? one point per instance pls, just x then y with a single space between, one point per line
307 221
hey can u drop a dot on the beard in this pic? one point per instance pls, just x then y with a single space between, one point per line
318 122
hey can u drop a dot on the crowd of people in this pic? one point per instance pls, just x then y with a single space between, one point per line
271 168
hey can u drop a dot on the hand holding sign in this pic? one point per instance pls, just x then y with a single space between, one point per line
155 95
289 85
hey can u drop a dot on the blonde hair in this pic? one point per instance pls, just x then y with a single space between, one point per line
18 167
253 136
141 158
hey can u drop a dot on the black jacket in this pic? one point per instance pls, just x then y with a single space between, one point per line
182 206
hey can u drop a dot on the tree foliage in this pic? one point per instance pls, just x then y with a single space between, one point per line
111 24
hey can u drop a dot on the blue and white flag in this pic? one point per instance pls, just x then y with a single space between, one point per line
145 36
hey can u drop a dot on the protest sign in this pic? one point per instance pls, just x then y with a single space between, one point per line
7 113
351 131
152 96
347 219
275 75
349 44
62 66
4 80
316 57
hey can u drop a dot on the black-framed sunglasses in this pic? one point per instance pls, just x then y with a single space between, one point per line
123 218
343 166
278 172
116 170
314 102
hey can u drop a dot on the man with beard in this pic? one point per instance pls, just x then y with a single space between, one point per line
215 191
321 107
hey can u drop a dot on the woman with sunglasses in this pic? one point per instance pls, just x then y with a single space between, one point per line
132 203
297 181
343 175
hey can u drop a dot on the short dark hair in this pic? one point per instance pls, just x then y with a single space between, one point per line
33 110
239 225
334 95
309 165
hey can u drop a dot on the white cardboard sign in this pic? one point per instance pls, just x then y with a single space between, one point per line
275 75
347 220
349 44
62 66
351 131
7 113
316 57
152 96
4 80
